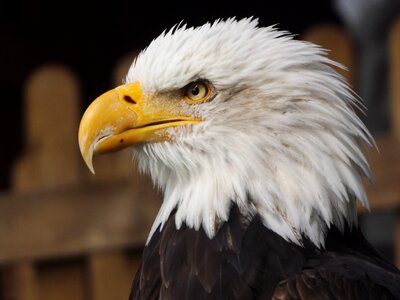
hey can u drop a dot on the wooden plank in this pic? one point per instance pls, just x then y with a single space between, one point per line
51 155
339 46
109 276
68 222
394 58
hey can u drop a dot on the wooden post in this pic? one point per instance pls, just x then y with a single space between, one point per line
109 276
394 58
50 158
62 280
21 282
338 44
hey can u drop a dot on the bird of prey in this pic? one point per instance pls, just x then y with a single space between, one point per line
255 141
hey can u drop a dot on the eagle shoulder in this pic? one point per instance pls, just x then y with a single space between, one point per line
246 260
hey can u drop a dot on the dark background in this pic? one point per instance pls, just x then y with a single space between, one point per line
89 37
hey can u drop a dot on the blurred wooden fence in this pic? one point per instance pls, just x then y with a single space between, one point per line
66 234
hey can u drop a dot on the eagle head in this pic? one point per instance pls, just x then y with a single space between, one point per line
233 113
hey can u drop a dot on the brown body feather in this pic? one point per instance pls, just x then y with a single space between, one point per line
246 260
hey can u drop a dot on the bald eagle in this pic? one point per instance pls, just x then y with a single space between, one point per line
253 138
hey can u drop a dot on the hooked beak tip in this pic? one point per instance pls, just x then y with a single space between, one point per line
87 155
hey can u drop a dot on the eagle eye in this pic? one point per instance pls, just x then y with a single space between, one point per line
197 92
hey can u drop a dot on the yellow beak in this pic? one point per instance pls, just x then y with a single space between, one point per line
125 116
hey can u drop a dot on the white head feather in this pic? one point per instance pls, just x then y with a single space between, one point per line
279 139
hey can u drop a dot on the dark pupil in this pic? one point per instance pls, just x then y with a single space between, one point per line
195 90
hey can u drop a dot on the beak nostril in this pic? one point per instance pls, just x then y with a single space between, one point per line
129 99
